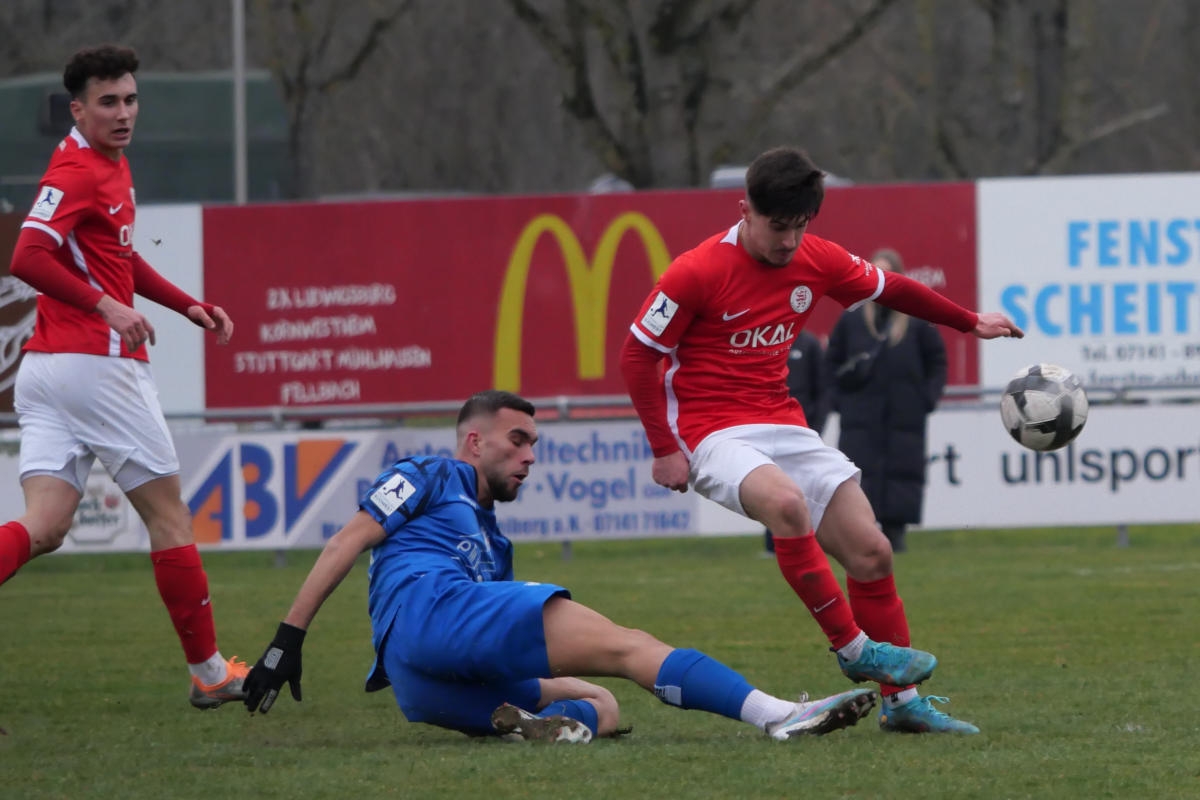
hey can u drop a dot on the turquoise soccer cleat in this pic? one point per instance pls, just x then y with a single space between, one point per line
889 664
919 716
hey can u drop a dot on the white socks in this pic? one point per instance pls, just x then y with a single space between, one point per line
211 671
761 709
852 651
899 698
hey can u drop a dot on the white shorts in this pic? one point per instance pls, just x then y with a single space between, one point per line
74 408
724 458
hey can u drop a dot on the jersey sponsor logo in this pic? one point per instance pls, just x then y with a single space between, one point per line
801 299
727 316
47 203
115 209
660 314
392 494
763 336
589 281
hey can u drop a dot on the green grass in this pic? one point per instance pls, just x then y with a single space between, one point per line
1076 657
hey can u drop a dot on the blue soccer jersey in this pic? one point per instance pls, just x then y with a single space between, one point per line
433 523
453 633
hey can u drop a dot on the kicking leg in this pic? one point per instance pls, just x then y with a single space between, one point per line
580 641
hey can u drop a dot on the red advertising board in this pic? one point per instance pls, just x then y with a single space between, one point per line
420 301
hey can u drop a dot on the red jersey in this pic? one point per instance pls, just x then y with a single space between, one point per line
85 202
726 322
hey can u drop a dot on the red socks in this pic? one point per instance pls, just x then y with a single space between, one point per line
806 569
183 587
14 548
880 611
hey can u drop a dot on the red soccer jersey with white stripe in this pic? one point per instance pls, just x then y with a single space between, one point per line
85 202
726 323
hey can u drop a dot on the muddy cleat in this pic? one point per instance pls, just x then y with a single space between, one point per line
919 716
825 715
205 696
888 664
518 725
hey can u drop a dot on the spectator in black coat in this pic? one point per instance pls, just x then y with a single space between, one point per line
807 382
889 372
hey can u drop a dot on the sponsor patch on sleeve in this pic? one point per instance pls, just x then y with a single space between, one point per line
391 494
659 316
46 204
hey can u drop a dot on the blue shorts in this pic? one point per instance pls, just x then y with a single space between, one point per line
457 650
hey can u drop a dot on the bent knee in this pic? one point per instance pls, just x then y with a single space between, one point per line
791 511
872 561
47 533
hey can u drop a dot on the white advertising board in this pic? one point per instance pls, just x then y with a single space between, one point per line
1131 464
1102 273
295 489
171 239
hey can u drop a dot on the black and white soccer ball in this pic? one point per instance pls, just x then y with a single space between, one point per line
1044 407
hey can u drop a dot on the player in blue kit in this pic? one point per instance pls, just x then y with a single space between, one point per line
466 647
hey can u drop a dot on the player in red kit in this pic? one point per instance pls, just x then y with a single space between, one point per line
719 416
84 389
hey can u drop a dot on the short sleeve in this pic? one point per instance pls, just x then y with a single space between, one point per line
399 495
65 196
852 280
669 310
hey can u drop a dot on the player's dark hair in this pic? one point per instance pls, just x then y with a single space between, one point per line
784 183
490 402
106 62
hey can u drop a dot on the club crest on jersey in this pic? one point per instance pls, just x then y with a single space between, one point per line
662 310
46 203
392 494
801 299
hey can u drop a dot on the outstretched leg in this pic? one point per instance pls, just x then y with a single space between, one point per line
580 641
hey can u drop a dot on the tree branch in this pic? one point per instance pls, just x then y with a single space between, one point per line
379 26
796 71
1072 146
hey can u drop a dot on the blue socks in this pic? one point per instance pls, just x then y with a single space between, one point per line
581 710
690 679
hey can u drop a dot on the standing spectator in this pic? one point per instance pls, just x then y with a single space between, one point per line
889 372
808 383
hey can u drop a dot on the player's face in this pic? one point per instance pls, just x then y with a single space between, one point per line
506 453
105 113
771 240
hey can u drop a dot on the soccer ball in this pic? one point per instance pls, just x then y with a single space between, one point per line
1044 407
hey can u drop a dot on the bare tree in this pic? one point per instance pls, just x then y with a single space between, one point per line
315 47
659 92
638 76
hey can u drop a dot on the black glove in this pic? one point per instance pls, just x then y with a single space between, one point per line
280 664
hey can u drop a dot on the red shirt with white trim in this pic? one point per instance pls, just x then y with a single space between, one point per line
85 202
726 322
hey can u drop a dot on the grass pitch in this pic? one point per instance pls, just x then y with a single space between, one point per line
1075 657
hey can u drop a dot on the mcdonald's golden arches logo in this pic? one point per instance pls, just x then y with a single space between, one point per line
589 282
